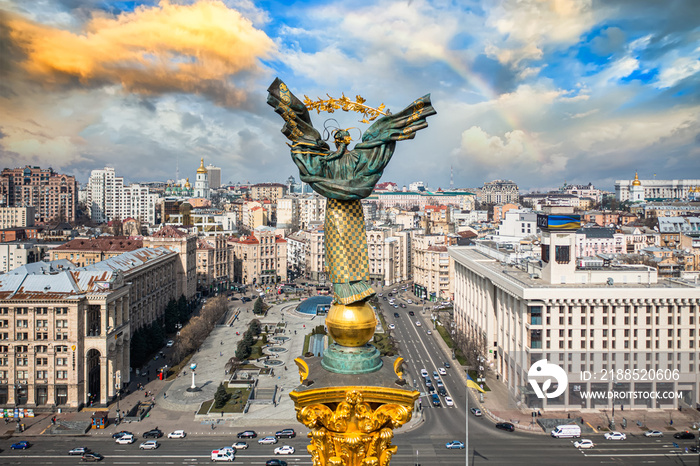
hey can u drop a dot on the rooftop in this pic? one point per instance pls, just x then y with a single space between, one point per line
519 278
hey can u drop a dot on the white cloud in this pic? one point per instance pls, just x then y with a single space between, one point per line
680 69
525 27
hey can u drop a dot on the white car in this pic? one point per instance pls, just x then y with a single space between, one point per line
170 343
149 445
423 373
442 371
409 301
476 412
267 441
615 436
392 326
418 324
285 450
240 445
653 433
448 401
584 443
177 434
125 440
429 332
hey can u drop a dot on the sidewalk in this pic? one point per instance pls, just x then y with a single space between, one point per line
176 407
500 406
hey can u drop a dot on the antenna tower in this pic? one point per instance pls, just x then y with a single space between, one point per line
452 179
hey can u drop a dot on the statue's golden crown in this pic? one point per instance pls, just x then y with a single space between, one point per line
331 104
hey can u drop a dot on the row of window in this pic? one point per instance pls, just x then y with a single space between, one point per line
613 321
37 349
24 336
537 344
40 375
41 323
37 310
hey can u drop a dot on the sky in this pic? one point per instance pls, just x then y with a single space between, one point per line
541 92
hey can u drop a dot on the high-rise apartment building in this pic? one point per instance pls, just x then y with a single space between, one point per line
214 176
269 191
53 196
109 199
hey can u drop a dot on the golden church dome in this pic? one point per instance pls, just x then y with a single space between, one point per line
636 181
187 184
201 168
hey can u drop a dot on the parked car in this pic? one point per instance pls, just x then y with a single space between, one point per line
653 433
275 462
121 434
284 450
267 441
615 436
92 457
153 433
584 443
455 444
149 445
79 451
442 371
247 434
476 412
285 433
240 446
126 439
507 426
23 445
177 434
684 435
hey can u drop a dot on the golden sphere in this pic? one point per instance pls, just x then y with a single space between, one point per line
351 324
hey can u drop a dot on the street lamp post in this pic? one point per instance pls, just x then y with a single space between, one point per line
193 388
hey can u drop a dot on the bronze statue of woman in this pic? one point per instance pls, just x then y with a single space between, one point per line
345 176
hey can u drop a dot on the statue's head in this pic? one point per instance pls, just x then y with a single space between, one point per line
342 136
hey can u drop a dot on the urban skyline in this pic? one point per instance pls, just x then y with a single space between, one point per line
533 91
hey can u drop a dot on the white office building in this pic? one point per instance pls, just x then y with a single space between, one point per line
589 319
108 198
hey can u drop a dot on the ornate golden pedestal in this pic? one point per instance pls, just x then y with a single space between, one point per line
352 417
350 399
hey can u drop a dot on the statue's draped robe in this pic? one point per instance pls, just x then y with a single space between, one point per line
344 177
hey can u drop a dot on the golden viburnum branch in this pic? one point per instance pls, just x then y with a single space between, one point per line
343 103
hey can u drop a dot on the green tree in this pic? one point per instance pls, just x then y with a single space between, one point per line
221 396
259 307
254 327
242 350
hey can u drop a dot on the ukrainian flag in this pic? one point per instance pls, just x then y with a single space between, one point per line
472 384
